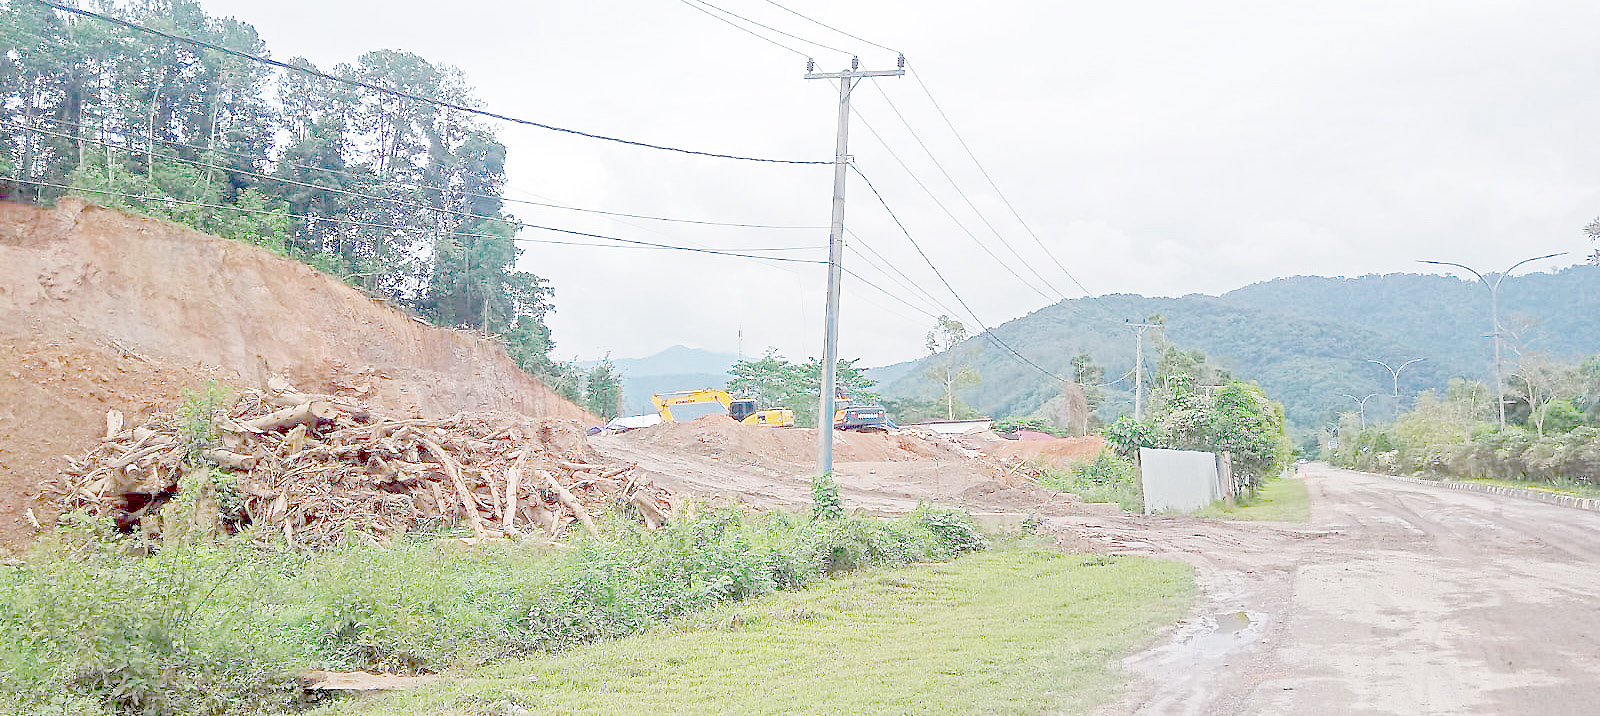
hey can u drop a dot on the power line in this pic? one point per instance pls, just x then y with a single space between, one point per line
986 330
964 197
993 185
669 246
742 28
893 272
367 176
1020 278
406 95
830 27
353 222
406 204
697 3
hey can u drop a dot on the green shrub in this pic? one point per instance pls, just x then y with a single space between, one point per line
1038 425
1109 477
825 501
221 629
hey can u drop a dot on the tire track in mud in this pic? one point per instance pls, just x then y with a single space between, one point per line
1398 599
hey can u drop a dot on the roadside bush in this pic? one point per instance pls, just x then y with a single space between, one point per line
85 628
1109 477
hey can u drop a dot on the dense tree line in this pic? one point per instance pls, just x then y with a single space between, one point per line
776 382
1552 432
398 197
1197 406
1305 340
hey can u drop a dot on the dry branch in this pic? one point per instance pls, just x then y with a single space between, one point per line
323 469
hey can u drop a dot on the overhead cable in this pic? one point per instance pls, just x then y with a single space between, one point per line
1020 278
696 4
830 27
406 95
993 185
353 222
359 195
957 187
987 332
368 176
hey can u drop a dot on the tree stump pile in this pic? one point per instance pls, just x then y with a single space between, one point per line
321 470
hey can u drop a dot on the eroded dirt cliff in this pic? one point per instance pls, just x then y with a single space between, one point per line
101 311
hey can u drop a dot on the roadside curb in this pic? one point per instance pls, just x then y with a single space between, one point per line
1590 504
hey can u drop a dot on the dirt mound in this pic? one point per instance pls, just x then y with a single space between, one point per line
1059 452
106 311
318 471
720 438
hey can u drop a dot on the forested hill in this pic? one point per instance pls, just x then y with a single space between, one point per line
368 171
1305 339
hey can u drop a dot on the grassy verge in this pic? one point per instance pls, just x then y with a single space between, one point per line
1283 499
1009 632
217 629
1560 487
1107 478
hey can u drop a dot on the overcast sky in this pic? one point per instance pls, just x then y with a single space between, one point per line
1160 148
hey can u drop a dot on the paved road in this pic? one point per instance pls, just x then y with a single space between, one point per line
1399 599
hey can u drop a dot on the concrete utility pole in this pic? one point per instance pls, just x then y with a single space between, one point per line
1494 319
1138 365
830 338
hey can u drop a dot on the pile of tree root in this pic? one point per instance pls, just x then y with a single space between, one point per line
322 470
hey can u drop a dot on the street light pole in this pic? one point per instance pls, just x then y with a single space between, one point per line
1494 318
1363 403
1396 372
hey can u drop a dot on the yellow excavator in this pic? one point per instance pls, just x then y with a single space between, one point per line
686 405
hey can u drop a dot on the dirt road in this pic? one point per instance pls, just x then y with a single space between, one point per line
1399 598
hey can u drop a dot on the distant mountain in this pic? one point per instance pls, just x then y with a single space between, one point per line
637 389
677 360
1307 340
676 368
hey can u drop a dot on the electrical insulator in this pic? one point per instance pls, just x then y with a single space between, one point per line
902 62
811 65
855 63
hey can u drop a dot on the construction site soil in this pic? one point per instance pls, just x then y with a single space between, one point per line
107 312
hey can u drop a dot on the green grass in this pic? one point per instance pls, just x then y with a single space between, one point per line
1007 632
1559 487
1283 499
220 629
1107 478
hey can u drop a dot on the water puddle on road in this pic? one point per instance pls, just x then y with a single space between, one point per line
1183 670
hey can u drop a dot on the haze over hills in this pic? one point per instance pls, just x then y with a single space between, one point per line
676 368
1306 340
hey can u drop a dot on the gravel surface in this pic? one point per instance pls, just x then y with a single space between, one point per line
1399 598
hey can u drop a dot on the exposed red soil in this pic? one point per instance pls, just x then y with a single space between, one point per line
106 311
1059 452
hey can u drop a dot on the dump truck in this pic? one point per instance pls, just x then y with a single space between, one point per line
686 405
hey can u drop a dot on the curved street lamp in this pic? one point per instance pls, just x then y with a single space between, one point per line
1396 373
1363 403
1494 319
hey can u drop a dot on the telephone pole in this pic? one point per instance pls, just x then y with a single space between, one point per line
830 337
1138 365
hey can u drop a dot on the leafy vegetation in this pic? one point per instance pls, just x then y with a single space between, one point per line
1305 340
204 628
1109 477
1008 632
945 368
1234 418
1551 436
777 383
1283 499
398 197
